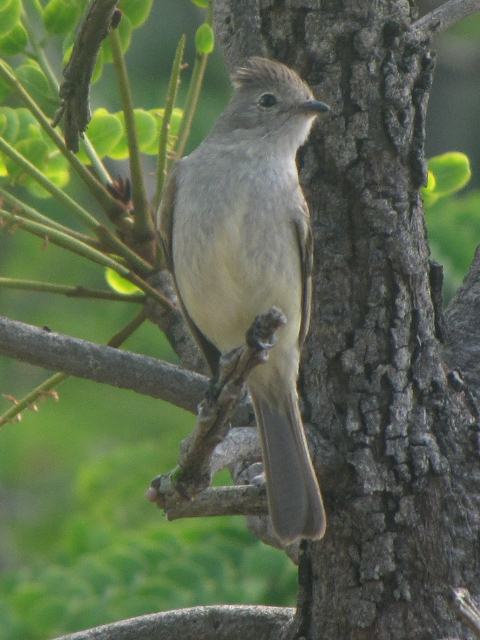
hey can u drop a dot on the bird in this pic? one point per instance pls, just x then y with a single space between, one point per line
235 230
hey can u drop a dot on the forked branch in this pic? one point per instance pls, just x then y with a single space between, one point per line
193 473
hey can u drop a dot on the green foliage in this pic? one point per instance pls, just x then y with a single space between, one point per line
105 567
454 233
447 174
10 11
119 284
14 42
20 128
61 16
204 39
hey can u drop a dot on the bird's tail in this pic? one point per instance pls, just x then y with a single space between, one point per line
294 497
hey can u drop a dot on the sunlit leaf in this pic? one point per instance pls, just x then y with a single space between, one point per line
119 284
147 131
451 171
204 38
203 4
104 132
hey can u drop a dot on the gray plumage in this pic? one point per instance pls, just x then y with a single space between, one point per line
236 233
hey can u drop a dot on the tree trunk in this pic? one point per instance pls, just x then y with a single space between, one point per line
395 431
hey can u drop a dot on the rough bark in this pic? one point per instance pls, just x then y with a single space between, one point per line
197 623
402 490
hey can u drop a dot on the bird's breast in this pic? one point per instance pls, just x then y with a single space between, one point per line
235 255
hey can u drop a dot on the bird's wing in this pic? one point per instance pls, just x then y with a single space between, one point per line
166 216
305 244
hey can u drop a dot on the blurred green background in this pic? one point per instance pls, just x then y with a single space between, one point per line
79 544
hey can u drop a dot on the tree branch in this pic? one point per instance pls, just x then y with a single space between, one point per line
75 90
228 622
193 473
243 500
445 16
104 364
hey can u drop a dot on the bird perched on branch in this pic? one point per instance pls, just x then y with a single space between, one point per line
236 234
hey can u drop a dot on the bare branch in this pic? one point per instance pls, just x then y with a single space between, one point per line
75 90
445 16
104 364
228 622
468 609
193 472
243 500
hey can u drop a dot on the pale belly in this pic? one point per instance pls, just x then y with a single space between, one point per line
228 274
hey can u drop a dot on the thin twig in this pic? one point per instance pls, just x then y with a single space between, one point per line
53 381
112 207
136 261
172 91
15 412
445 16
21 208
75 90
59 194
143 226
193 473
91 361
67 242
69 291
193 94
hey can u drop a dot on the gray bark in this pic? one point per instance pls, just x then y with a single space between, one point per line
402 491
88 360
198 623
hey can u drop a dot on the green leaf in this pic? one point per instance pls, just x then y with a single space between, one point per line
104 132
61 16
35 82
175 122
429 197
204 39
119 284
27 125
124 30
5 90
137 11
11 123
14 42
10 11
451 172
203 4
147 132
35 150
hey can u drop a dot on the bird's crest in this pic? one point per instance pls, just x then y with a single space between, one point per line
263 72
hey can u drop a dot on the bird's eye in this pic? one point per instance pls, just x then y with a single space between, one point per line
267 100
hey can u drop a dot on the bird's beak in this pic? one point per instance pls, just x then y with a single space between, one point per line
313 106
